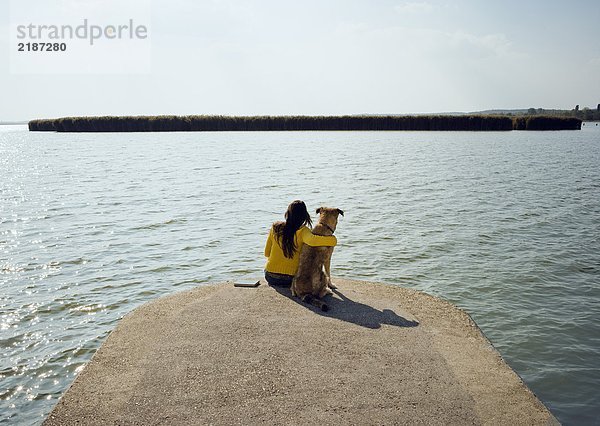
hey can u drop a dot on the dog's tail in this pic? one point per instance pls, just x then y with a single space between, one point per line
312 300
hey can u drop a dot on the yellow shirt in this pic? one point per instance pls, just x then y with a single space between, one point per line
277 263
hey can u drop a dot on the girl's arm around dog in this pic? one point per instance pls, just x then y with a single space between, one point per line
316 240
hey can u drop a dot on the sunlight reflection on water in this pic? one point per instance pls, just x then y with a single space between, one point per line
504 224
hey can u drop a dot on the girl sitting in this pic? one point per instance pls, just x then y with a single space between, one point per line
285 243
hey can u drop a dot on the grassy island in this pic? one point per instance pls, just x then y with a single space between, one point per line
191 123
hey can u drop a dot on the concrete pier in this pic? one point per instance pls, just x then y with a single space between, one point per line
224 355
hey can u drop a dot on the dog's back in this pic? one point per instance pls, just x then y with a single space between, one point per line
312 279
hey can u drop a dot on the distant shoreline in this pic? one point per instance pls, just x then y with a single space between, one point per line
192 123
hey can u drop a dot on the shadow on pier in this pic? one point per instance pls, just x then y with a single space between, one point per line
346 309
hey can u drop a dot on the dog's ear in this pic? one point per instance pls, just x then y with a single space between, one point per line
340 212
319 210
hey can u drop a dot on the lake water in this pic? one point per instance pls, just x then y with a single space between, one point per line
506 225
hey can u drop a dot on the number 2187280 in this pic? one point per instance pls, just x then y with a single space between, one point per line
41 47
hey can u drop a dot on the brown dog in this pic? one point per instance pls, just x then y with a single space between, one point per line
313 279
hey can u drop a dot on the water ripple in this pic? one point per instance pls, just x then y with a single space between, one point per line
495 222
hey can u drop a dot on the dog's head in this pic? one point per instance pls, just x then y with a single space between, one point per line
329 216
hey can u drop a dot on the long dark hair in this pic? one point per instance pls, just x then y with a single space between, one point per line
295 217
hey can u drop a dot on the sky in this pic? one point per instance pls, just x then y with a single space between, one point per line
314 57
